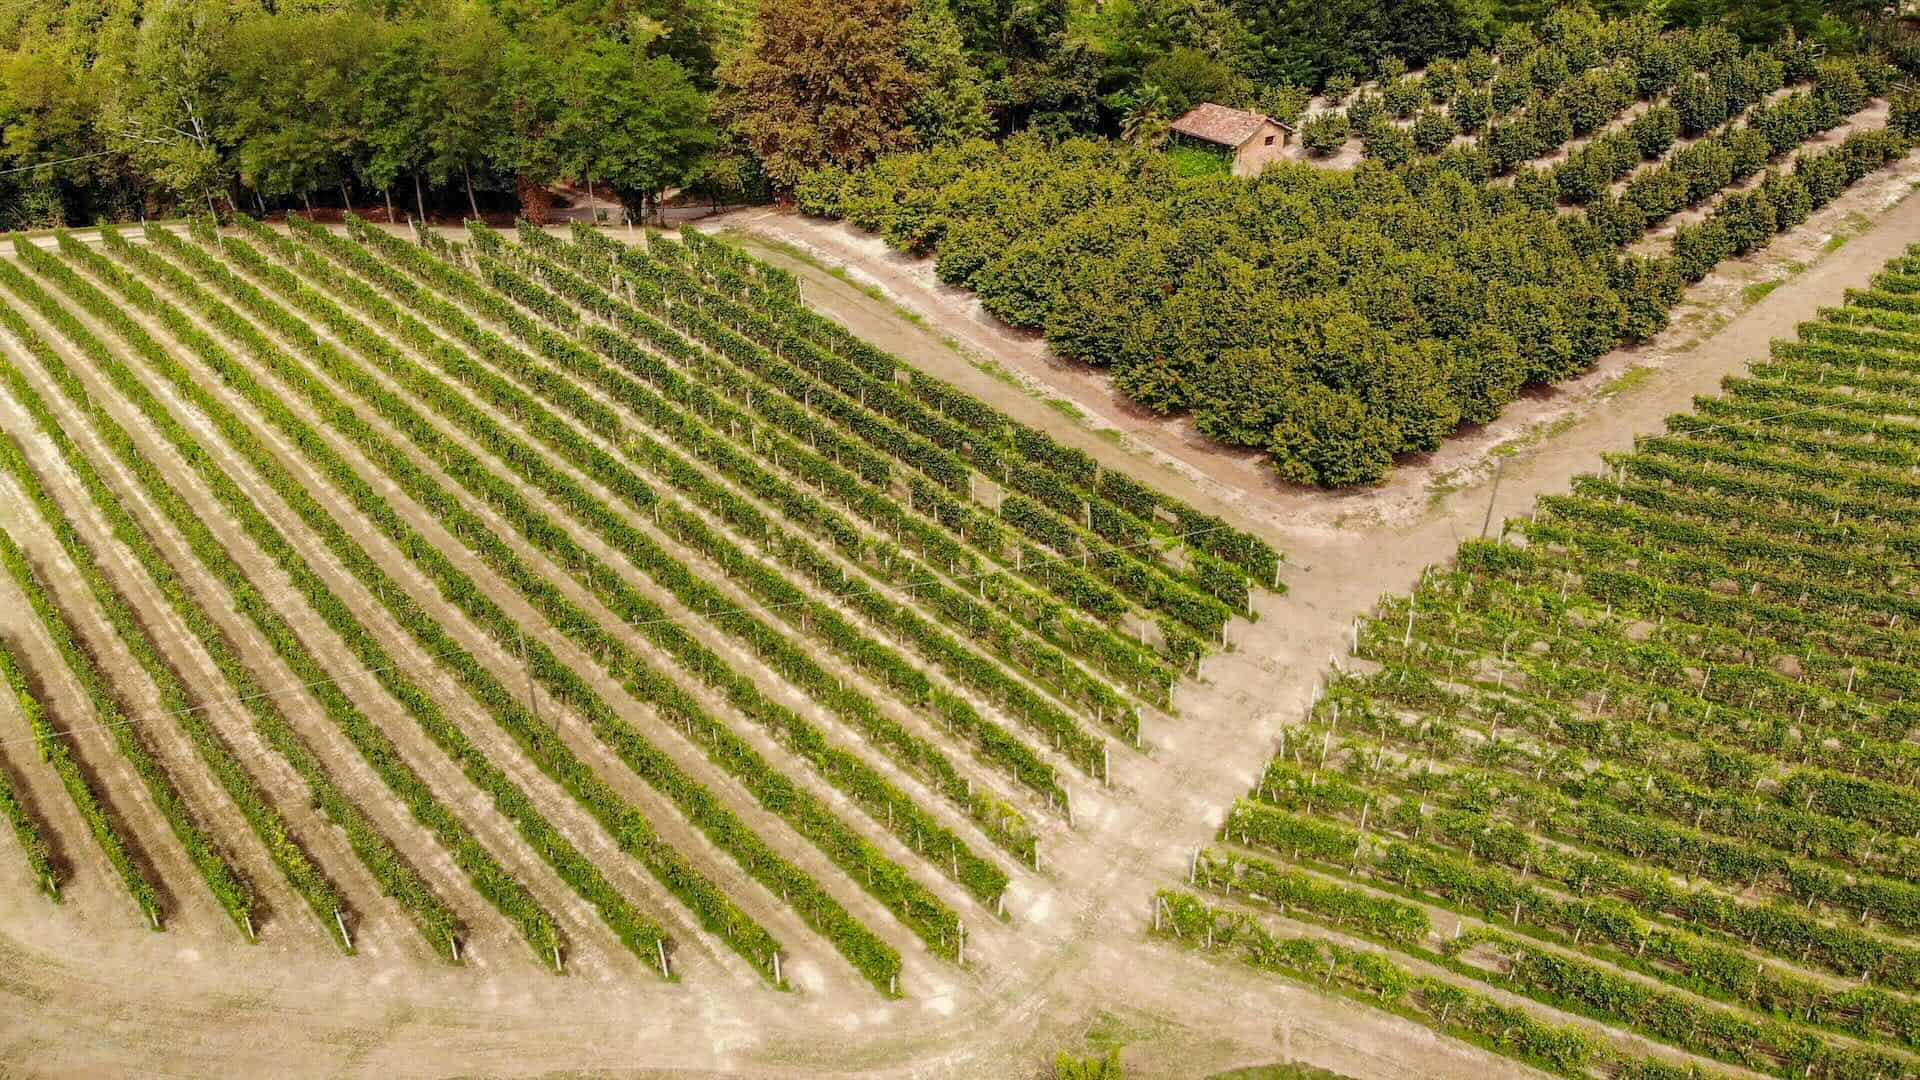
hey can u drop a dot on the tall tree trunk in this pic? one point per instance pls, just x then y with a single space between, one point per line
471 201
308 199
346 199
419 199
387 193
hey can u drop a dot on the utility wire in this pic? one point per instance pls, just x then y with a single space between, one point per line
62 161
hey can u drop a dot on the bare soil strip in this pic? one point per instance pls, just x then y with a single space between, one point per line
280 909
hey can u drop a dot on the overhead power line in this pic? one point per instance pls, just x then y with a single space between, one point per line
51 164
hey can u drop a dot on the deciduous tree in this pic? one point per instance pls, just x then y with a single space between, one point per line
824 83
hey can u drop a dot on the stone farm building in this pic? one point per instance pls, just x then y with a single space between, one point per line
1252 139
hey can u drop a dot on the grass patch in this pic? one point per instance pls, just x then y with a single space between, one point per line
791 251
1758 291
1626 382
1708 323
1538 435
1442 486
1109 1032
1066 408
1850 226
992 367
1448 483
1283 1071
1629 380
1194 161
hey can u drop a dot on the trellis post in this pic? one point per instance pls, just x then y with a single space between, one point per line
533 703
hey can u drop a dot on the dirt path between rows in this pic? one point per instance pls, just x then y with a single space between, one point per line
593 953
277 905
573 728
487 940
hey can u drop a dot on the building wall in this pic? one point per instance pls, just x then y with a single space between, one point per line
1256 153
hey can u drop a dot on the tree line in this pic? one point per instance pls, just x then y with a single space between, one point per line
240 105
150 107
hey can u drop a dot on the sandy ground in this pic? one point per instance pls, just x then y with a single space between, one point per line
85 991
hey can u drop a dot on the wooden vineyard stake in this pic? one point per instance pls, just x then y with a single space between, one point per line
533 703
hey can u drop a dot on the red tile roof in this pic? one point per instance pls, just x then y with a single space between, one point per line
1219 124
